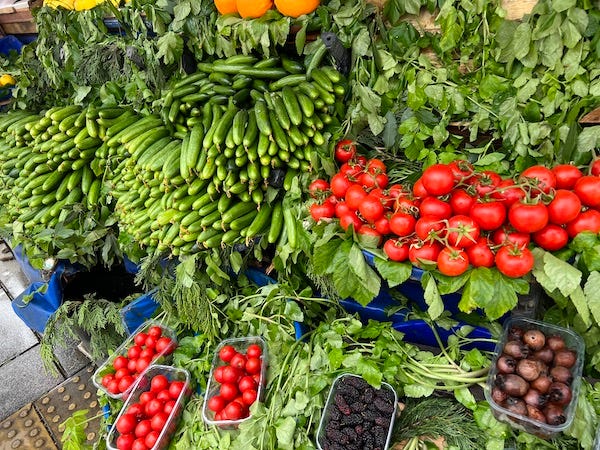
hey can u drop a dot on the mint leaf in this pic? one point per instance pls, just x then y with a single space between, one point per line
566 277
432 297
395 273
591 290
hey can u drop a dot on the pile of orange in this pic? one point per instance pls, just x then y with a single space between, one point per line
251 9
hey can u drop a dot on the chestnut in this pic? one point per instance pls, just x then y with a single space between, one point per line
506 364
498 395
515 405
546 355
542 384
555 415
562 374
516 349
566 358
534 339
528 369
555 343
559 393
536 414
512 384
535 398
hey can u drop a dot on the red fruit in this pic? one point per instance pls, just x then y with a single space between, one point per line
238 361
165 345
228 391
564 207
148 353
233 411
126 423
163 396
402 224
106 379
153 407
121 373
508 193
151 438
595 167
345 150
419 190
480 254
552 237
137 410
143 428
429 227
528 217
383 226
586 221
566 176
461 170
431 206
113 387
125 383
396 190
463 231
132 366
452 262
249 396
125 441
169 406
396 250
461 202
230 374
142 364
339 185
438 179
320 211
155 331
216 403
587 189
371 208
227 352
139 444
485 182
254 351
140 339
318 188
134 352
246 383
150 342
351 219
502 236
541 176
341 208
514 262
159 383
424 252
147 397
175 389
218 374
120 362
159 421
488 215
354 196
374 236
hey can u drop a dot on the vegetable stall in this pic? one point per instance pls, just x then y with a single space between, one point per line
403 191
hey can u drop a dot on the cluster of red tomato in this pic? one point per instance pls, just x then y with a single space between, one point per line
239 379
147 347
140 427
456 216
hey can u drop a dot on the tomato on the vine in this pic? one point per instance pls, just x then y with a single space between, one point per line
429 227
339 185
463 231
318 188
423 252
372 180
595 168
508 192
552 237
325 210
396 190
402 224
586 221
587 189
438 179
382 225
452 262
461 202
480 254
432 206
351 170
345 150
542 177
528 217
341 208
485 182
419 190
564 207
350 219
371 208
503 236
396 250
514 262
461 169
488 215
354 196
375 166
386 200
566 176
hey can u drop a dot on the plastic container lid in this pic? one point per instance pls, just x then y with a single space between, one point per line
573 342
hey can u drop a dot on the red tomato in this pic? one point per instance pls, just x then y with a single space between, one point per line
514 262
226 353
461 202
151 438
106 379
488 215
163 396
564 207
169 406
150 342
452 262
234 411
125 383
396 190
587 189
125 441
175 389
230 374
238 361
256 377
220 416
552 237
218 374
228 391
371 208
132 365
339 185
375 166
422 251
142 364
341 208
113 386
134 352
432 206
159 383
595 167
351 169
216 403
461 170
438 179
126 423
541 176
566 176
148 353
318 188
120 362
143 428
429 227
121 373
402 224
165 345
360 161
480 254
137 410
140 339
155 331
159 421
153 407
386 200
528 217
351 219
354 196
396 250
503 236
406 205
253 364
485 182
254 351
463 231
382 226
508 193
246 383
322 211
586 221
249 397
419 190
139 444
146 397
345 150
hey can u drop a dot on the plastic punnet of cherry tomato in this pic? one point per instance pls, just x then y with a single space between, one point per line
236 381
456 216
142 421
134 358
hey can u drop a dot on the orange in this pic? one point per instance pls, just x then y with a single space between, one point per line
296 8
251 9
226 6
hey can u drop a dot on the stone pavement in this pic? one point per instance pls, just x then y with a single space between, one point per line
33 403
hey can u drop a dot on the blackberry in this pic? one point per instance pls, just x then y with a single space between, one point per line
334 414
358 407
352 419
350 434
383 406
382 421
379 435
340 402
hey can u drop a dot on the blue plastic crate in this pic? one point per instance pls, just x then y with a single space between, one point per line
8 43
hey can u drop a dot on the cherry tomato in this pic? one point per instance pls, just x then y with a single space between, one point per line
126 423
485 182
254 351
234 411
587 189
322 211
246 383
140 339
125 441
488 215
134 352
148 353
595 167
586 221
153 407
461 170
382 226
480 254
463 231
386 200
150 342
113 386
169 406
143 428
137 410
163 396
120 362
375 237
514 262
228 391
165 345
142 364
151 438
345 150
371 208
132 365
396 250
351 219
564 207
146 397
249 396
106 379
406 205
528 217
339 185
396 190
419 190
375 166
461 202
566 176
424 251
541 176
341 208
503 236
508 193
230 374
238 361
438 179
155 331
226 353
216 403
351 170
159 383
452 262
125 383
159 421
121 373
402 224
139 444
429 227
175 389
432 206
552 237
354 196
318 188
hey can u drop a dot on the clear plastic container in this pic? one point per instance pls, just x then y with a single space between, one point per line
330 401
597 440
573 342
142 385
107 366
212 389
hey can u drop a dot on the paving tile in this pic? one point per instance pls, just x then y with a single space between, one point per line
74 394
24 430
16 336
12 276
24 380
70 358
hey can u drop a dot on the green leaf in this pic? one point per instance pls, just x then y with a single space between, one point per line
479 289
584 240
566 277
521 40
170 47
418 390
505 298
591 258
591 290
563 5
284 429
336 357
465 397
323 256
395 273
370 372
368 283
432 297
579 300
